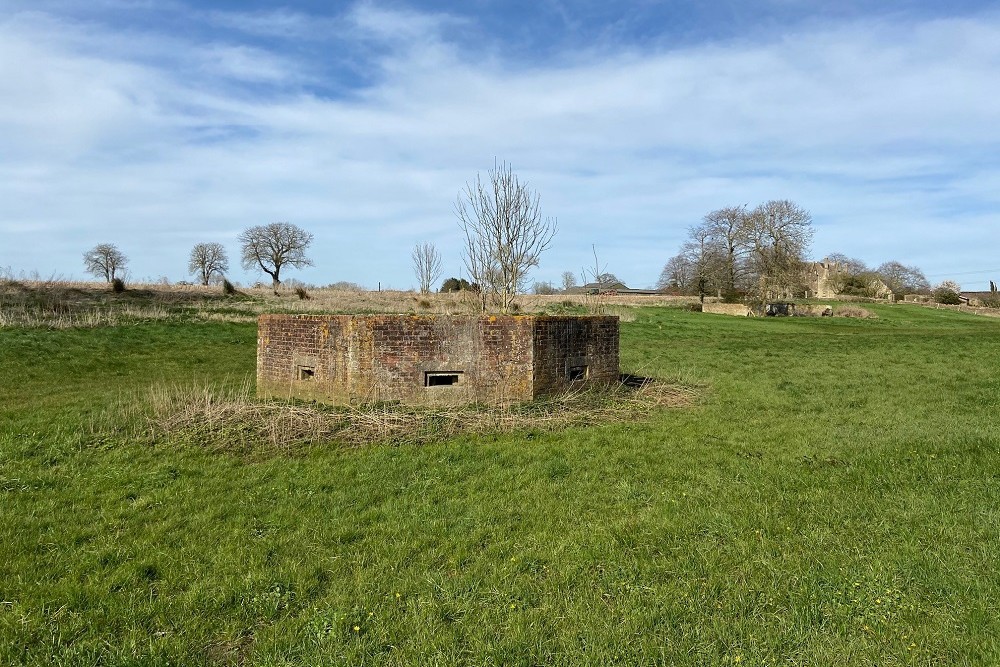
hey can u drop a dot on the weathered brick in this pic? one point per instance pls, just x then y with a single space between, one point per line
432 359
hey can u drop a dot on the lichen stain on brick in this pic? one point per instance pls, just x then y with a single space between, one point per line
388 357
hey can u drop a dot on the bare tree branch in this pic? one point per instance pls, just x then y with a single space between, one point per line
593 274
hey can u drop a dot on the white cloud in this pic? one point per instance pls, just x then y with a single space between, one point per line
274 23
247 64
399 25
156 145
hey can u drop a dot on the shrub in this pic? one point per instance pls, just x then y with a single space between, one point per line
455 285
227 287
345 286
861 285
302 293
117 285
947 296
992 301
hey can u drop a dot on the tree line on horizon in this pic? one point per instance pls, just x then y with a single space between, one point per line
268 248
736 252
499 216
739 253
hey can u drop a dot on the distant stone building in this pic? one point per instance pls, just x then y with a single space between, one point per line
822 279
825 280
427 359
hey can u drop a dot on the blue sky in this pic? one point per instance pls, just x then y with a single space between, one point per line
158 124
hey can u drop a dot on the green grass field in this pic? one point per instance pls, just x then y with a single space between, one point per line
832 499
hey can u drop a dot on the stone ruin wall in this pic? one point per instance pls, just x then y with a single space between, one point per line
431 359
821 279
738 309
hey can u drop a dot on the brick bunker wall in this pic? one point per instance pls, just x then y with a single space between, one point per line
569 350
430 359
413 359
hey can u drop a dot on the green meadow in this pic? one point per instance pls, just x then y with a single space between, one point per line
831 498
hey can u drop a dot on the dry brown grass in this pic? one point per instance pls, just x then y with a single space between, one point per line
982 310
235 421
61 304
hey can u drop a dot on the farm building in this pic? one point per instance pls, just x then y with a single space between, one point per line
427 359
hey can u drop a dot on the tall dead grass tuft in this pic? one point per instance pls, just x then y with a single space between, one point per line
624 313
233 420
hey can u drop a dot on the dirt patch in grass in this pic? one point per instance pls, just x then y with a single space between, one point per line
236 421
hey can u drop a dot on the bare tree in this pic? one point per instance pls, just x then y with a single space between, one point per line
950 285
568 281
106 261
207 260
426 265
591 274
715 257
779 234
903 279
504 234
608 281
677 274
274 246
706 257
729 231
545 288
733 249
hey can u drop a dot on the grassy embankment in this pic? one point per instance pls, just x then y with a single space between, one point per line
832 499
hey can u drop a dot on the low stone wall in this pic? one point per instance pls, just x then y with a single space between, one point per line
738 309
